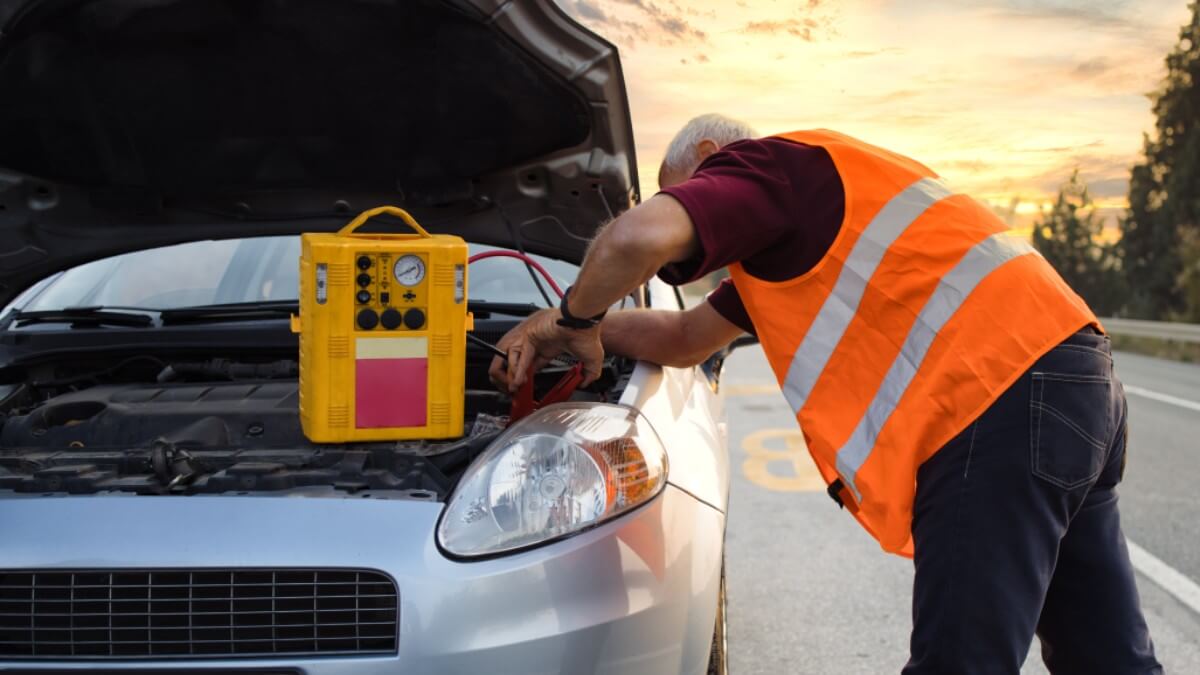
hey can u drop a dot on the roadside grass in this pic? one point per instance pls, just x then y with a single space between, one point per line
1187 352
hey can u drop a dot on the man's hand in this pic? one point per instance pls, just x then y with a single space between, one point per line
536 341
623 256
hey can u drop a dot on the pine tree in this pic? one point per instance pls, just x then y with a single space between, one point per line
1069 236
1164 193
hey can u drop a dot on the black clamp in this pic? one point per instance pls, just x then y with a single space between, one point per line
835 492
844 497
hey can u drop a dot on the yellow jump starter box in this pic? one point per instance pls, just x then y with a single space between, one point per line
383 323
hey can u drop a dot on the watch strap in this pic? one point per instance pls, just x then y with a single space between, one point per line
569 320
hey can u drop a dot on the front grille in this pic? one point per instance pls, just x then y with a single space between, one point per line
195 613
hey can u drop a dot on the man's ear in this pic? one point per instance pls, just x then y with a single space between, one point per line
705 148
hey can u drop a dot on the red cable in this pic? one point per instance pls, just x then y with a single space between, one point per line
519 256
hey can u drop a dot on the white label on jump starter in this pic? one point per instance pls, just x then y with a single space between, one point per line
460 283
322 283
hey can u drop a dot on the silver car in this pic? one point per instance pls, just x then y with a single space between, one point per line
160 507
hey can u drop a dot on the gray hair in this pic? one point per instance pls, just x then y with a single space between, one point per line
681 152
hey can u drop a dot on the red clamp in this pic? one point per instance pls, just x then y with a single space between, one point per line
523 403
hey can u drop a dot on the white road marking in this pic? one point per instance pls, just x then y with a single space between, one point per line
750 389
1168 578
1165 398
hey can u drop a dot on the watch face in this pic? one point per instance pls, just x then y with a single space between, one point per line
409 270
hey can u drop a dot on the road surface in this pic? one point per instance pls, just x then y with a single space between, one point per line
810 592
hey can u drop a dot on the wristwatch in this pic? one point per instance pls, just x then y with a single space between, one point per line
569 320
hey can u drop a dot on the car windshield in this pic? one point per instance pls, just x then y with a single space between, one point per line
260 269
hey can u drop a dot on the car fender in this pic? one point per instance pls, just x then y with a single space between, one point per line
688 413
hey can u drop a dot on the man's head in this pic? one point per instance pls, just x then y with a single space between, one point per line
699 138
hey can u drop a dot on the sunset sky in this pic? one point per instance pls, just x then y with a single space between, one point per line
1004 98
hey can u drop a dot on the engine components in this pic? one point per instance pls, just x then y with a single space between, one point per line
383 323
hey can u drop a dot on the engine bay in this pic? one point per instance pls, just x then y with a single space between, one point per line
163 422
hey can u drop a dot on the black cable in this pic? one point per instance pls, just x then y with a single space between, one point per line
564 360
604 201
516 237
488 346
612 217
104 371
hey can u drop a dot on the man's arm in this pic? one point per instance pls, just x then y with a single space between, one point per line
630 250
623 256
668 338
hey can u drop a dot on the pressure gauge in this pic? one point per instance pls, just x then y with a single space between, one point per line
409 270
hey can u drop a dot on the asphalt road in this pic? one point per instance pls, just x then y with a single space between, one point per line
810 592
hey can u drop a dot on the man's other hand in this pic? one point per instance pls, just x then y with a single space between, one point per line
536 341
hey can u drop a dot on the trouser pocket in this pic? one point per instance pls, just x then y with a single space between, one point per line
1070 426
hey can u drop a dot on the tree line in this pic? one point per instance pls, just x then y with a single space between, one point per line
1153 270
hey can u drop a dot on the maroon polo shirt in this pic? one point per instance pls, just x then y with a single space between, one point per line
772 204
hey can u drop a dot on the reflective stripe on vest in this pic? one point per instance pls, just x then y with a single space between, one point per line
952 290
842 304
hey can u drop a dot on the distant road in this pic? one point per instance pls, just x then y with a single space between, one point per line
809 592
1161 499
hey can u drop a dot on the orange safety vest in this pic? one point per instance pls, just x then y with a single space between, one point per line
923 311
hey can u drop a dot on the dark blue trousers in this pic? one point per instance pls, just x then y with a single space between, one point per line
1016 531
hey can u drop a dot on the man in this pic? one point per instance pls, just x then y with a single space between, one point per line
955 394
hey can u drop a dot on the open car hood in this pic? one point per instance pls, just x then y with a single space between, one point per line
129 124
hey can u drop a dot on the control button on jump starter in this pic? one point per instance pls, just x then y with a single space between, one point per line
414 319
368 319
390 319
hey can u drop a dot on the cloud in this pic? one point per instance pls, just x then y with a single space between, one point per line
968 166
1128 74
813 22
1058 150
1131 19
1031 89
801 28
629 21
587 10
868 53
677 27
673 25
1091 68
1093 13
898 95
1105 175
1110 187
1096 12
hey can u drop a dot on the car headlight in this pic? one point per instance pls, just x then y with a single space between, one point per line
563 469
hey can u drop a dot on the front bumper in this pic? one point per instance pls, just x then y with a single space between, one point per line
635 595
